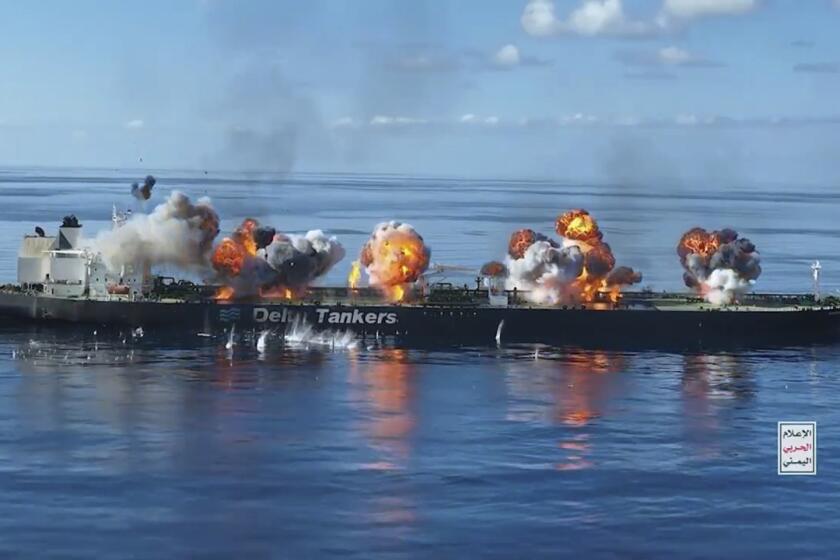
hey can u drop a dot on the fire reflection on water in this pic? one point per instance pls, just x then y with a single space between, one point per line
384 392
385 387
570 388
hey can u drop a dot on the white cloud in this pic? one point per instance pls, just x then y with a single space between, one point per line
507 56
592 17
674 55
345 122
670 56
686 120
472 119
607 17
386 120
431 62
688 9
538 18
135 124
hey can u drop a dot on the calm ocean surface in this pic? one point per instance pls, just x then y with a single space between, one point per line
113 446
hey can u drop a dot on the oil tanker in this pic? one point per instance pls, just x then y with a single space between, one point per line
62 283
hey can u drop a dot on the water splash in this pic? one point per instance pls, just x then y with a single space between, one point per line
300 334
231 343
261 341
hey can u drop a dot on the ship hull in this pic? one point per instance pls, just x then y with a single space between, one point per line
453 323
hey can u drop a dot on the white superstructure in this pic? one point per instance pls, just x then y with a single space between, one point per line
63 266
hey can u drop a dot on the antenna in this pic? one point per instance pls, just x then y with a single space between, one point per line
816 267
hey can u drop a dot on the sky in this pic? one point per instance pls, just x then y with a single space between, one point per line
601 90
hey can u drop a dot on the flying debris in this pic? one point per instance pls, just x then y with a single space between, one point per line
178 232
576 269
143 192
719 265
393 257
259 260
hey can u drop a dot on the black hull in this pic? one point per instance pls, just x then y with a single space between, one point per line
453 324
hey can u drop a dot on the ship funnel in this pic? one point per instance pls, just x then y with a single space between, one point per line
69 233
815 273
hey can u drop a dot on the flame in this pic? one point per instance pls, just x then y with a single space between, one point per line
400 260
520 240
244 234
355 275
394 257
229 257
698 241
578 225
231 253
277 292
493 269
397 293
224 293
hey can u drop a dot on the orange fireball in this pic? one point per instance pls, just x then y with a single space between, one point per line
520 240
229 257
578 225
493 269
231 253
399 259
699 242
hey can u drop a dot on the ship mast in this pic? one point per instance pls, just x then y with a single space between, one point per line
815 273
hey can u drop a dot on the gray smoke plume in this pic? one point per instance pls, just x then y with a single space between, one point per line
300 259
718 265
257 258
177 232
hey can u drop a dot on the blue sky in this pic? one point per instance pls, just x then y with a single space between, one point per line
626 90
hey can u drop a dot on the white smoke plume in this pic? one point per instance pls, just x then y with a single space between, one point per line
177 232
545 272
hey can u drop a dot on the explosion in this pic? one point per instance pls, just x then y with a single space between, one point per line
578 268
258 260
699 242
578 225
177 233
229 256
520 240
395 255
493 269
718 265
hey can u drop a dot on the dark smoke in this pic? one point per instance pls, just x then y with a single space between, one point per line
144 192
263 236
